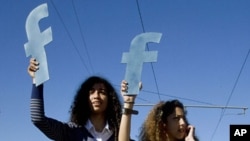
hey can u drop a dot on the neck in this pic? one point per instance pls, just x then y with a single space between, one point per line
170 138
98 122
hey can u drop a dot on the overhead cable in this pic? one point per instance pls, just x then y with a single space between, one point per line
230 95
68 33
143 29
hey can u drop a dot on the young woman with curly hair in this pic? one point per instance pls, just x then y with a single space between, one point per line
165 122
95 112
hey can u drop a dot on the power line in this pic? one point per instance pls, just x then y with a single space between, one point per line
143 29
232 91
203 106
70 37
82 37
139 11
172 96
177 97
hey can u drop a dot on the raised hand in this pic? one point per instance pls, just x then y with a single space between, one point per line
33 67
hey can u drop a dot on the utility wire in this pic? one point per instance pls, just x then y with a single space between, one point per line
205 106
143 29
163 94
176 97
139 11
82 37
68 33
232 91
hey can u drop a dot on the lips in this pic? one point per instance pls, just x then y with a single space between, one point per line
182 130
96 103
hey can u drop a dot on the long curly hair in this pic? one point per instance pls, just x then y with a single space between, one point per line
154 127
81 111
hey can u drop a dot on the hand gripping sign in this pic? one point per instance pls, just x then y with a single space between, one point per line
37 41
136 57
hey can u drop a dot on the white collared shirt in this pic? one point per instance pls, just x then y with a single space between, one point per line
99 136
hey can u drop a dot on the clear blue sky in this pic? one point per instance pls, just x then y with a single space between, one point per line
200 56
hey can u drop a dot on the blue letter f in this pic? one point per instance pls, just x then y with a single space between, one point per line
136 57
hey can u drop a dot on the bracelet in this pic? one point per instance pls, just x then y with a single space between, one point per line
127 111
129 102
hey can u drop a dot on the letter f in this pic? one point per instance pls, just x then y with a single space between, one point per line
37 41
136 57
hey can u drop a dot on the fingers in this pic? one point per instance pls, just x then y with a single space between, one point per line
124 86
140 85
190 136
33 67
191 130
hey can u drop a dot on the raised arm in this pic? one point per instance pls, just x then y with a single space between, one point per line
125 125
36 103
52 128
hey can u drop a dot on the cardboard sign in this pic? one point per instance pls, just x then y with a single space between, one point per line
37 40
136 57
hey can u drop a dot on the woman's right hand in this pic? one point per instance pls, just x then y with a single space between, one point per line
33 67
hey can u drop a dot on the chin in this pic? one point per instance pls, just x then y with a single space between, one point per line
181 137
97 111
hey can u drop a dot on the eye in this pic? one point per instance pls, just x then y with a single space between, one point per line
103 92
91 91
176 118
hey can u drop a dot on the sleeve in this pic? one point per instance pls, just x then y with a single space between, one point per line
52 128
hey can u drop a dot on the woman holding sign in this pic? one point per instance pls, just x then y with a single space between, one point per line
165 122
95 112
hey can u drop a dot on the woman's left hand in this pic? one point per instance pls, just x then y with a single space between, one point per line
124 89
190 136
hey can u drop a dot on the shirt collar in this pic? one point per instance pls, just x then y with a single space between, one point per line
89 126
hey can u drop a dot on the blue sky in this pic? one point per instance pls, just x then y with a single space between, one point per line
200 59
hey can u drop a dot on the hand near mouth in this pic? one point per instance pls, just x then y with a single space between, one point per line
190 136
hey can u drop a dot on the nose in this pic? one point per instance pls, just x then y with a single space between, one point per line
182 122
95 94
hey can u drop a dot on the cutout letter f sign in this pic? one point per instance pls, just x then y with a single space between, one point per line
136 57
37 41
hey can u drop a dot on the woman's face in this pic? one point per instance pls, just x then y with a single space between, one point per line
176 125
98 99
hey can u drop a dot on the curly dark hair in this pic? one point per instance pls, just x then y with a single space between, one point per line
81 111
153 128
